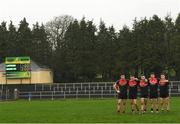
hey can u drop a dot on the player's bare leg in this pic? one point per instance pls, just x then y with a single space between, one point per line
162 104
119 105
142 105
132 105
145 104
157 105
167 104
152 105
135 103
124 106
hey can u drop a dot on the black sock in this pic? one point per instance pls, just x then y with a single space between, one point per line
156 109
151 109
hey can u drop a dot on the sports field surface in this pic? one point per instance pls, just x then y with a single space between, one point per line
80 110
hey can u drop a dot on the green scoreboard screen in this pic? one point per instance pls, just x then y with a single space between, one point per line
18 67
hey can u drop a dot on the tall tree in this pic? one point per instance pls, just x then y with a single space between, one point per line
24 39
42 48
56 29
12 40
176 47
3 40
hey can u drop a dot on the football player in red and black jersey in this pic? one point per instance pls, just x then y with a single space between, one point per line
121 88
133 83
164 93
153 84
143 84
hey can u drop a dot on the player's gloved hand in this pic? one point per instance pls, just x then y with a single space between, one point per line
118 91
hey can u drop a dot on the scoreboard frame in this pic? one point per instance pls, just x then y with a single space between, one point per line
18 67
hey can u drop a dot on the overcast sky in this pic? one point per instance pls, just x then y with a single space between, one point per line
113 12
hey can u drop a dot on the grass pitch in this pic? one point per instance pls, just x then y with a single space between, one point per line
80 111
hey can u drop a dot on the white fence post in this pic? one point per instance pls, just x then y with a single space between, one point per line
101 92
42 87
50 87
89 94
65 86
35 87
40 95
29 97
1 95
64 95
6 94
52 98
170 91
77 93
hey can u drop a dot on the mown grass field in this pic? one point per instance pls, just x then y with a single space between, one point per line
81 110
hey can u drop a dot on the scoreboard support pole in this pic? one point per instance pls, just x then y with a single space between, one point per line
30 73
6 89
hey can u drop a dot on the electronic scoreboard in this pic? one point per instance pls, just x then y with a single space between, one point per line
18 67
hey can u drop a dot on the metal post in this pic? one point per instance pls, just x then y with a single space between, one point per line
35 87
15 94
58 86
101 92
2 87
62 90
64 95
40 95
6 94
29 96
89 94
52 98
77 93
171 84
42 87
50 86
1 95
170 91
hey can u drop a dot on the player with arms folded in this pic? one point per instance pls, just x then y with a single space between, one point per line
121 88
133 83
164 93
143 84
153 83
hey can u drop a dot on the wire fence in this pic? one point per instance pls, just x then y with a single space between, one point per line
68 90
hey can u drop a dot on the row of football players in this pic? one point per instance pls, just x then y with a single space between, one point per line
148 89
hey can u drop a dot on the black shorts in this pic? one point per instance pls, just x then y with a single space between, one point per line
153 91
144 92
133 92
164 92
153 94
122 96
